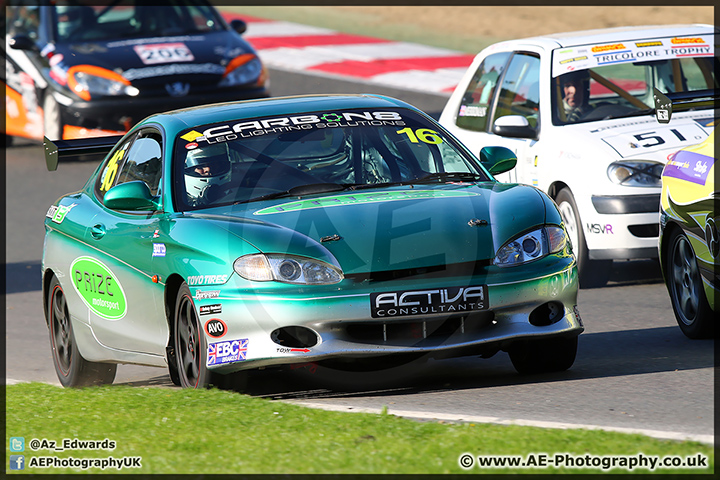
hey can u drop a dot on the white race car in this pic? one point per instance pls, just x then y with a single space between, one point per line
577 109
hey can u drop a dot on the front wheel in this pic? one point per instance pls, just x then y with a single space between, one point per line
592 273
692 311
190 351
71 368
52 120
544 355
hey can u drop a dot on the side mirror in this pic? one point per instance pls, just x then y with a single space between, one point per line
22 42
515 126
496 159
130 196
238 25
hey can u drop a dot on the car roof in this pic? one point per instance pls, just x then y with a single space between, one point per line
290 105
617 34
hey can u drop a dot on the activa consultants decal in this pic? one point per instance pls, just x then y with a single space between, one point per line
99 289
424 302
362 198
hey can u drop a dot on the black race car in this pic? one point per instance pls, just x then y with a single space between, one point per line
84 68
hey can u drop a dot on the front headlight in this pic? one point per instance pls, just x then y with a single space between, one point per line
636 173
242 70
531 246
90 81
287 269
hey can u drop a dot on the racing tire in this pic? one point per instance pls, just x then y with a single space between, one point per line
71 368
555 354
52 120
190 350
687 295
592 273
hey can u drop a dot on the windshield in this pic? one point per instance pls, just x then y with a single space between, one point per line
311 153
81 21
618 85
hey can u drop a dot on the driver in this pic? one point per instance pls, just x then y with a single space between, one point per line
206 168
576 93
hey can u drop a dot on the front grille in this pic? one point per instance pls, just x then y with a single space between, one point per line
465 270
617 205
417 333
647 230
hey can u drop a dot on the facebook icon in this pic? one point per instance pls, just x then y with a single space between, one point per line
17 462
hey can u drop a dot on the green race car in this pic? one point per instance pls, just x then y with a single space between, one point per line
337 229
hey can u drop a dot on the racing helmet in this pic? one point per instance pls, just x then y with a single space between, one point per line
206 166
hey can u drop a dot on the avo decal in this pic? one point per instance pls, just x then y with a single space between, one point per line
361 198
98 288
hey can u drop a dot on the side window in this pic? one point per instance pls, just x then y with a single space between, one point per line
520 92
24 20
143 161
109 173
475 104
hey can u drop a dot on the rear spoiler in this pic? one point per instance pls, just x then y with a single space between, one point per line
94 148
666 103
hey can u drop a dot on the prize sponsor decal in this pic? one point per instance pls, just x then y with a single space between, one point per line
215 327
211 309
158 250
230 351
429 301
685 41
98 288
206 279
202 295
608 48
689 166
362 198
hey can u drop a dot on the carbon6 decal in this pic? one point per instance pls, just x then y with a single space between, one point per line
425 302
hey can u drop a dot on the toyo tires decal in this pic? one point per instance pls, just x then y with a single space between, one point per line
98 287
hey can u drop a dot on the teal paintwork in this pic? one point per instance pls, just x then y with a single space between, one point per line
427 237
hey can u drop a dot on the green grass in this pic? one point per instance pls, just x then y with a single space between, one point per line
369 25
212 431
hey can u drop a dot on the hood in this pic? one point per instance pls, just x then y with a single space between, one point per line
643 137
392 229
195 59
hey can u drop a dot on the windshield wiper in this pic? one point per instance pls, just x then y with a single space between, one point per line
441 176
299 191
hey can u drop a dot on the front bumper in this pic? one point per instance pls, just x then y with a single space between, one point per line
119 114
341 324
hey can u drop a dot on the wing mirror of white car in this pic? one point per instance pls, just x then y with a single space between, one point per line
513 126
498 159
22 42
239 26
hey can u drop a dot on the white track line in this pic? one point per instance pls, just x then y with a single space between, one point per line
448 417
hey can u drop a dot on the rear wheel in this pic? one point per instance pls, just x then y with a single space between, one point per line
687 295
592 273
71 368
52 120
544 355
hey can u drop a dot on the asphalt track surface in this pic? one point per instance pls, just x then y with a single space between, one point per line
635 370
